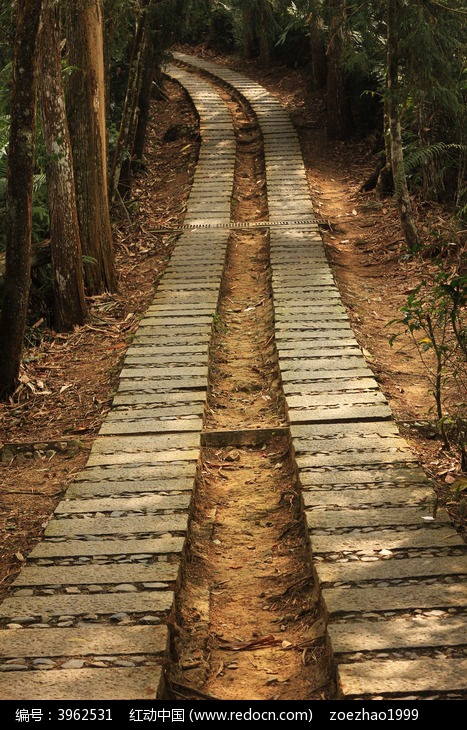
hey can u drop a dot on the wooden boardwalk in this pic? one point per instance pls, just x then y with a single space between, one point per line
86 616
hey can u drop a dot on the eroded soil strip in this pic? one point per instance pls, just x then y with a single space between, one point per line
248 621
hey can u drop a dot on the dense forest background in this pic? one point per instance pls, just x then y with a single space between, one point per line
77 81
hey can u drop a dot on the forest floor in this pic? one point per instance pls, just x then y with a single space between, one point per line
68 380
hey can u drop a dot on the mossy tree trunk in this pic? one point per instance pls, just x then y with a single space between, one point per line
404 205
65 245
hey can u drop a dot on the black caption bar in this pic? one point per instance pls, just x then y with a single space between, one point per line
137 713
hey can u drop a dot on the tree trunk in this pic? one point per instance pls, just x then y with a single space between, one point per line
339 118
19 193
318 53
86 114
248 31
124 145
67 265
127 166
264 40
145 96
385 182
110 10
404 205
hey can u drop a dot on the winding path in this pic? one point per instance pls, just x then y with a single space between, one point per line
86 618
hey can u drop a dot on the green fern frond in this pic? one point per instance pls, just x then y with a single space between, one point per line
4 133
416 158
462 213
39 181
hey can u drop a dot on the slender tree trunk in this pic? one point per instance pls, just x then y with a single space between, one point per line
110 8
145 97
19 193
404 205
318 53
257 21
339 118
385 183
86 114
124 145
248 31
127 166
264 41
65 244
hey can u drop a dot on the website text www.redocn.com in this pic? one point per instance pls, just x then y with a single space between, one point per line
251 715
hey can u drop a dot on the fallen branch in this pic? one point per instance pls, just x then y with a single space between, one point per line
269 640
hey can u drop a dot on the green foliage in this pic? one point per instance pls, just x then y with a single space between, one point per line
194 19
435 318
417 156
253 27
431 50
166 24
40 216
5 83
7 32
40 210
293 43
222 33
451 292
434 168
4 135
